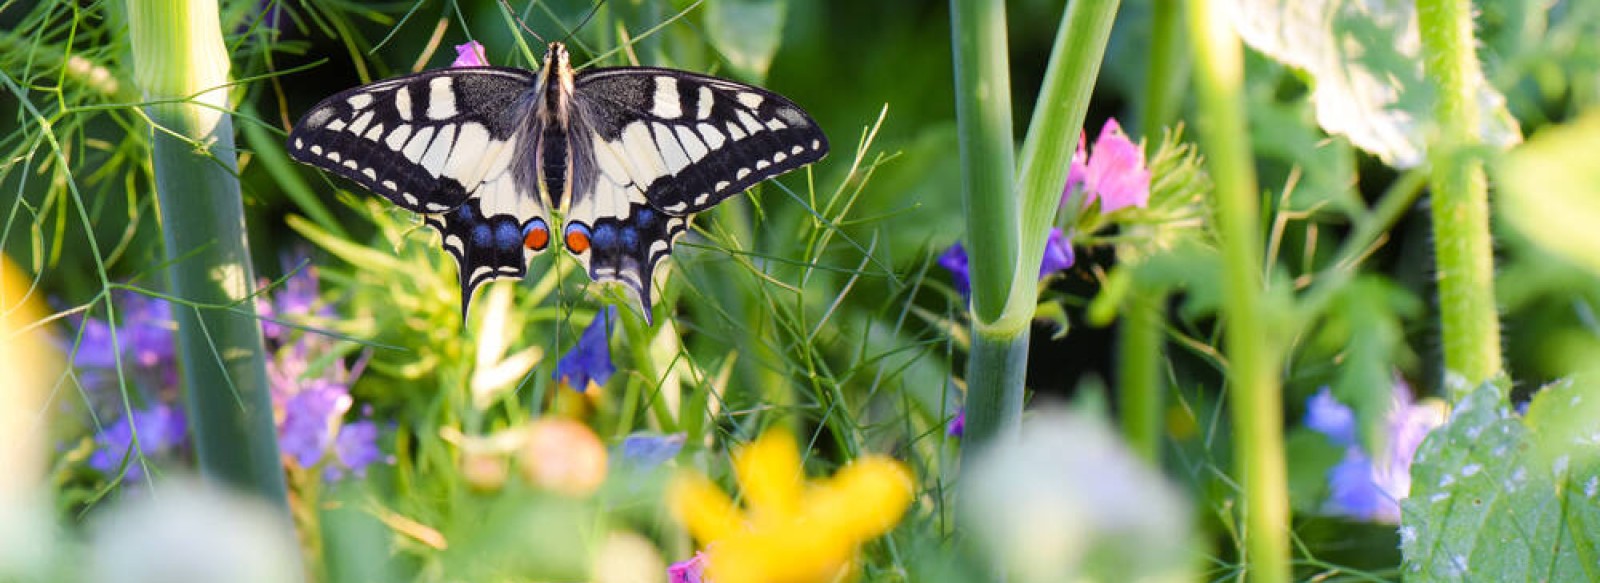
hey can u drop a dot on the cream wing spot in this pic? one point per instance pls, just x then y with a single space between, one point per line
735 132
351 164
743 172
749 99
776 124
439 152
402 102
640 148
374 132
713 137
760 164
703 102
816 144
418 145
360 100
299 144
441 98
472 142
665 104
691 143
360 124
369 173
671 153
389 185
797 150
334 156
721 185
315 149
750 122
397 138
779 157
336 125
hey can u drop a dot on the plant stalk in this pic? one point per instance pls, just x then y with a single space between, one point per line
179 54
1255 397
1463 250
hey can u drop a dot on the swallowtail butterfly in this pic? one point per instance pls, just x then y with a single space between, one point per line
493 157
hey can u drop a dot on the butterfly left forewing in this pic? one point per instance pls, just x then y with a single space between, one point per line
652 147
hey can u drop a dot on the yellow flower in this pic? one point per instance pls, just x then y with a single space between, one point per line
791 531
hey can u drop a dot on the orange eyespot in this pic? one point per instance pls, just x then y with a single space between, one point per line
537 238
577 241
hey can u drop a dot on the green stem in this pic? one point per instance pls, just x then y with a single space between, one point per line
1255 397
178 54
1168 71
983 118
1139 373
1140 348
1469 324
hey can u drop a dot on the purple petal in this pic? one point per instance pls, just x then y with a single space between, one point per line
691 570
954 259
355 449
1353 493
1077 170
1116 172
306 431
958 424
1057 254
647 450
1326 415
470 55
161 428
590 359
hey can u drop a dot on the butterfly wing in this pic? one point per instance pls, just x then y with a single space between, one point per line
450 144
652 147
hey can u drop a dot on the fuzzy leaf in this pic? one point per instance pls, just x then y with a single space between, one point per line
1365 68
1492 493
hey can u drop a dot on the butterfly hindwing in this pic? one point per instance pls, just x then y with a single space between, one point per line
652 147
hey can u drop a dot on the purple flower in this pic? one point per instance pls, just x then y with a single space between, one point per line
310 422
355 449
1058 256
954 259
145 337
298 297
590 359
958 424
1369 487
470 54
1114 174
161 428
691 570
647 450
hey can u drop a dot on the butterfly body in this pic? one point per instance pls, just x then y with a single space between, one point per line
608 163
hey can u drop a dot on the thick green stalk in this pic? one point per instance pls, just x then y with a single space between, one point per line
178 54
1255 397
1168 70
996 366
1463 251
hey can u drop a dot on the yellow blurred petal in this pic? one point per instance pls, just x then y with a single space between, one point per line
770 476
790 555
703 508
862 501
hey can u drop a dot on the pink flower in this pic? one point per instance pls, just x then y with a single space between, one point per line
691 570
470 55
1115 174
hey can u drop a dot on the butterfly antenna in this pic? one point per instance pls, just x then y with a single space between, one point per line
586 18
507 6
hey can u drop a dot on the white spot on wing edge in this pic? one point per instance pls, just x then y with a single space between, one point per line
675 208
761 164
743 172
779 157
750 99
704 100
410 200
315 149
369 173
665 104
360 100
389 185
816 144
299 144
441 98
797 150
402 102
335 125
722 185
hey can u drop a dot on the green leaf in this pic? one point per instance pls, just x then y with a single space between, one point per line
746 32
1363 60
1550 191
1492 493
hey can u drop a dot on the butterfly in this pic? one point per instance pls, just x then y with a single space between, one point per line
498 160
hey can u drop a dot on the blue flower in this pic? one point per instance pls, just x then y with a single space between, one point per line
647 450
161 429
355 449
589 361
1058 257
1365 486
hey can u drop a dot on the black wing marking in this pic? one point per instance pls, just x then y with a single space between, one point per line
652 147
423 141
